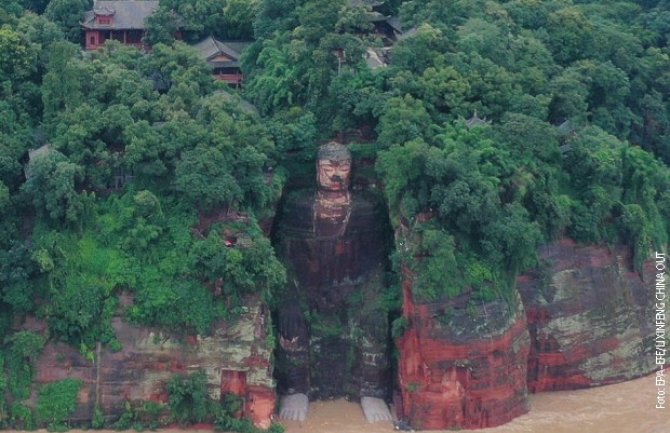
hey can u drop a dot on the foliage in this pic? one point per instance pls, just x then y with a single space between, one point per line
296 64
138 415
500 190
498 126
68 14
228 419
224 19
51 186
16 271
80 288
156 120
399 326
22 417
236 425
20 354
98 421
56 402
16 56
189 401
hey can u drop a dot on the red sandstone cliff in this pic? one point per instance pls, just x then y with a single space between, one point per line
589 317
235 359
461 369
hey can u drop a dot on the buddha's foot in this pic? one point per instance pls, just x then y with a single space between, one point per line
375 409
293 407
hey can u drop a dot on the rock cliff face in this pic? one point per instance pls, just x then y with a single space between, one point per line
462 367
589 317
235 359
583 319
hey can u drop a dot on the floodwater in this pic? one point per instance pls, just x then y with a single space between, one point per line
628 407
623 408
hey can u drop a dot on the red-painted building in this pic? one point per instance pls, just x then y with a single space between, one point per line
124 21
224 59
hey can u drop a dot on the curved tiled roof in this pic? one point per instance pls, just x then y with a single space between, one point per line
128 14
210 48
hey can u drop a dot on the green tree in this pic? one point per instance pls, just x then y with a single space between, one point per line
36 6
178 65
569 32
65 81
239 16
68 14
421 50
205 177
17 289
189 399
271 86
17 56
51 187
404 119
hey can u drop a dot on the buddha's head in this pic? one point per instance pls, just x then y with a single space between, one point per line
333 167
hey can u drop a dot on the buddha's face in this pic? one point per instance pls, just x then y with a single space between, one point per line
333 175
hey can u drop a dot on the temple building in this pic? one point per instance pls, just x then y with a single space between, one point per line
123 21
224 59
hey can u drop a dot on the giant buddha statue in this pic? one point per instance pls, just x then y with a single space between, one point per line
333 327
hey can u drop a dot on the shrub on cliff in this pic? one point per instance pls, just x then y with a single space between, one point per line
189 400
56 403
20 353
17 371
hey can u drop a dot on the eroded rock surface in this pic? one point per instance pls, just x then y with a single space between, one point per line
589 316
235 359
461 368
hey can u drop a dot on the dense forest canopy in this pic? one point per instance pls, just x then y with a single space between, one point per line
498 126
509 123
129 150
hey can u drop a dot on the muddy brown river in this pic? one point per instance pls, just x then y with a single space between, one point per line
624 408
